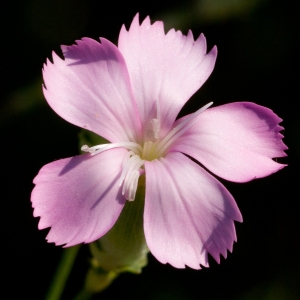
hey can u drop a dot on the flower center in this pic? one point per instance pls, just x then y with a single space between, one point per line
133 163
153 148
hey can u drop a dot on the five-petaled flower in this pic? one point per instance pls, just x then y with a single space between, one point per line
131 95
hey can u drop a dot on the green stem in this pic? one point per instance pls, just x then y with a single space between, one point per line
62 273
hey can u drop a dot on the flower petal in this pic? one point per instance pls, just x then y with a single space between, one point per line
236 141
91 89
165 69
79 197
188 213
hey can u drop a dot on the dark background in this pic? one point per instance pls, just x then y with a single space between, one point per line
257 62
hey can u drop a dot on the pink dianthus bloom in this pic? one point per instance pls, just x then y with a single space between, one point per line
131 95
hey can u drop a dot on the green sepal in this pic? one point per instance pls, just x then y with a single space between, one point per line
123 248
90 138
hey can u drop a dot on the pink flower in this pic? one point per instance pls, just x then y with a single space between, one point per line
131 95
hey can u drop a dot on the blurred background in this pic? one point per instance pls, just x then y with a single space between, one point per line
257 62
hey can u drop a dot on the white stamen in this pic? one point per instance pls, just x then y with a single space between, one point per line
130 164
127 156
103 147
180 129
130 186
130 175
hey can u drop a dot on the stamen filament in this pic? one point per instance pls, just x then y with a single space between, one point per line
130 185
136 148
130 164
180 130
130 176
